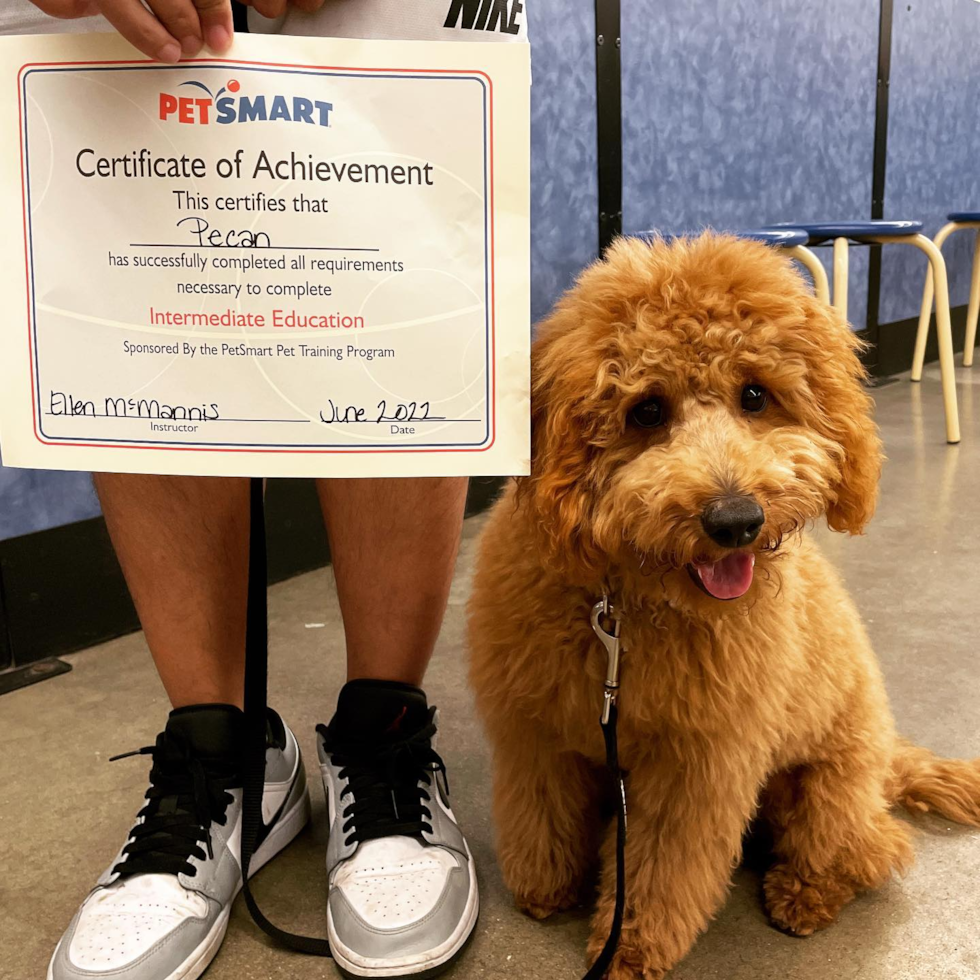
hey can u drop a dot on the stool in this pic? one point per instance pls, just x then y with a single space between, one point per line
792 240
957 221
894 233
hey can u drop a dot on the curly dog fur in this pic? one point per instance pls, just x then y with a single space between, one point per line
771 704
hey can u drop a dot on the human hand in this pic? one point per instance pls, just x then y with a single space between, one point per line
170 29
165 31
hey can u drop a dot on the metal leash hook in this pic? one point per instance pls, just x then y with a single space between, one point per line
604 612
605 609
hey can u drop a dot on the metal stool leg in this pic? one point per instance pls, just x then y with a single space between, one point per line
814 266
922 334
974 308
925 311
944 333
840 276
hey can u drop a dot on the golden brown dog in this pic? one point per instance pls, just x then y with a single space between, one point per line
694 408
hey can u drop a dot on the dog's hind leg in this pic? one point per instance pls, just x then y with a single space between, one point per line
546 813
833 833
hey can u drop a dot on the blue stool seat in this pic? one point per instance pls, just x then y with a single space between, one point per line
822 231
783 237
963 216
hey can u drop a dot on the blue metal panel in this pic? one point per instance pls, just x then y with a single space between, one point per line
34 500
933 143
737 114
563 146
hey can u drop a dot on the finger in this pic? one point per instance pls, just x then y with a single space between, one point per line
308 6
67 9
270 8
217 23
181 20
142 29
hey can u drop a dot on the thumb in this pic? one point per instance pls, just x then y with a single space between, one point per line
217 24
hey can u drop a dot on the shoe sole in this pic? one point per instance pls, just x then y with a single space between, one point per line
288 827
456 945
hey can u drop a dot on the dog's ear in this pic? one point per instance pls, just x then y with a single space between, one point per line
842 412
558 493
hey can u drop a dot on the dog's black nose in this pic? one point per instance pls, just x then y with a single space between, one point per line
733 522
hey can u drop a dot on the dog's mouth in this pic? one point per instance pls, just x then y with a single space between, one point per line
728 578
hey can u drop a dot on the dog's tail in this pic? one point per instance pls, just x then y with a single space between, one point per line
922 781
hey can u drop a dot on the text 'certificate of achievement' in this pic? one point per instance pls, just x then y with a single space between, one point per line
307 258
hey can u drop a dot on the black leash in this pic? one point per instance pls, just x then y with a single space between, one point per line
598 969
603 612
256 692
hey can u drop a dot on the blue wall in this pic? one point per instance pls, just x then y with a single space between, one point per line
33 500
738 113
563 146
933 142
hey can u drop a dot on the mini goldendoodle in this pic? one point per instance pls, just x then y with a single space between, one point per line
694 409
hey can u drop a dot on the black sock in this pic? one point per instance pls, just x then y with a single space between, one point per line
378 711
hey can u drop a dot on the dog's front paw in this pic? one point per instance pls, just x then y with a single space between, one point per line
804 906
539 905
639 956
629 963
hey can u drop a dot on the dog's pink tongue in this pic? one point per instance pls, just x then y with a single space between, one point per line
729 577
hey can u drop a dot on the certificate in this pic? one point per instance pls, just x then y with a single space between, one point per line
306 258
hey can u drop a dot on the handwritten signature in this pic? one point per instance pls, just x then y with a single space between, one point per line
120 407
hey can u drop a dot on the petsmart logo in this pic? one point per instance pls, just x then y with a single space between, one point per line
223 108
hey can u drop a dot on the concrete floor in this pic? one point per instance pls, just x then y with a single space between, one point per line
64 809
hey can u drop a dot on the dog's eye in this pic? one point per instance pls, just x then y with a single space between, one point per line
754 398
649 414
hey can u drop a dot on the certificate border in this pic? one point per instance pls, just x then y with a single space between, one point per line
280 68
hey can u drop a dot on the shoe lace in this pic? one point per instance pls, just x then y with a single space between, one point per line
186 796
384 781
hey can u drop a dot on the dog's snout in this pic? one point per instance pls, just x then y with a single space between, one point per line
733 521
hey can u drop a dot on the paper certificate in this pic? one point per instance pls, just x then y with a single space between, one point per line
307 258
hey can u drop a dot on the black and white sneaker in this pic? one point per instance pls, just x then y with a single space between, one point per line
403 897
161 909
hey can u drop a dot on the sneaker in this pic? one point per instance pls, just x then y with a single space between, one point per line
403 896
161 909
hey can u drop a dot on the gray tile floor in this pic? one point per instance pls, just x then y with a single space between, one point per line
64 809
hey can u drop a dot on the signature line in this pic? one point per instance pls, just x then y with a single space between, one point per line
160 418
258 248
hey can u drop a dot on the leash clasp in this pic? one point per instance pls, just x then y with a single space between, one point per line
604 611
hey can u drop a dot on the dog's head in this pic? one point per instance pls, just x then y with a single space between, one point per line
693 406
